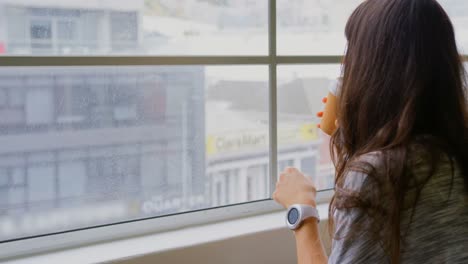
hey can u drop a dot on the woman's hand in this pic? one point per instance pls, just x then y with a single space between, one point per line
320 114
328 115
294 187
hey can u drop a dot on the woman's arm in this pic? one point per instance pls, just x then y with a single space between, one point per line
309 245
294 187
352 241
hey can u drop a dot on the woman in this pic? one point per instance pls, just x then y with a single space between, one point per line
401 146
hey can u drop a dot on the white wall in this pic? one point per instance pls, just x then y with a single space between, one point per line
272 247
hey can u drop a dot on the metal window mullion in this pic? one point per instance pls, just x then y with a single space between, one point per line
26 61
315 59
273 124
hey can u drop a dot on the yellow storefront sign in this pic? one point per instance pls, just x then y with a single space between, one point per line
251 140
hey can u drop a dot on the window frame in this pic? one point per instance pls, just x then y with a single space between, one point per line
14 249
72 238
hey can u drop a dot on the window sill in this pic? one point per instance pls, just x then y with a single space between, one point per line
166 241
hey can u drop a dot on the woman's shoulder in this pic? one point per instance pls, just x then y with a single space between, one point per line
364 178
360 169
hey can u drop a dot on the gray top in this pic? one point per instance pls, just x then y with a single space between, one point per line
437 234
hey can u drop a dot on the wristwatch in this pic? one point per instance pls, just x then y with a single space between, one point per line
297 213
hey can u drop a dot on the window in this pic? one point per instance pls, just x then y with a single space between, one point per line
300 142
312 27
4 178
129 110
41 30
124 30
257 179
66 30
457 11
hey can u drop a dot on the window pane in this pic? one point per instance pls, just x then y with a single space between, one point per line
42 178
316 27
4 178
66 30
156 27
18 177
237 143
458 12
99 145
300 143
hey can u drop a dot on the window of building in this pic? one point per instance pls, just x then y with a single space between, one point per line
4 178
41 34
18 177
308 166
72 99
153 109
257 179
41 180
283 164
16 97
39 106
66 30
124 30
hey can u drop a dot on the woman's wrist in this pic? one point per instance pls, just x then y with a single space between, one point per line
308 230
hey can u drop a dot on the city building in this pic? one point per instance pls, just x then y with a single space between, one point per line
87 145
70 27
91 138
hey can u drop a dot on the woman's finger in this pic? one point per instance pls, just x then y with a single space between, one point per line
324 100
320 114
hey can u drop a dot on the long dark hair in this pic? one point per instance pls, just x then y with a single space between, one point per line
403 84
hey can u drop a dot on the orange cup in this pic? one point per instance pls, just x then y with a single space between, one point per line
327 123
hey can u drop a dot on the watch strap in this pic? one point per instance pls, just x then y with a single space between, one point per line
309 212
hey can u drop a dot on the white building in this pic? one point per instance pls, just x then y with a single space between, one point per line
90 138
70 27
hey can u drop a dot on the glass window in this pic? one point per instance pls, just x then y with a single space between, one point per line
124 30
300 92
4 178
72 97
72 178
112 143
18 176
39 106
66 30
257 180
283 164
41 36
153 27
41 30
41 184
3 98
314 27
16 97
221 187
153 172
16 197
83 151
458 10
308 166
